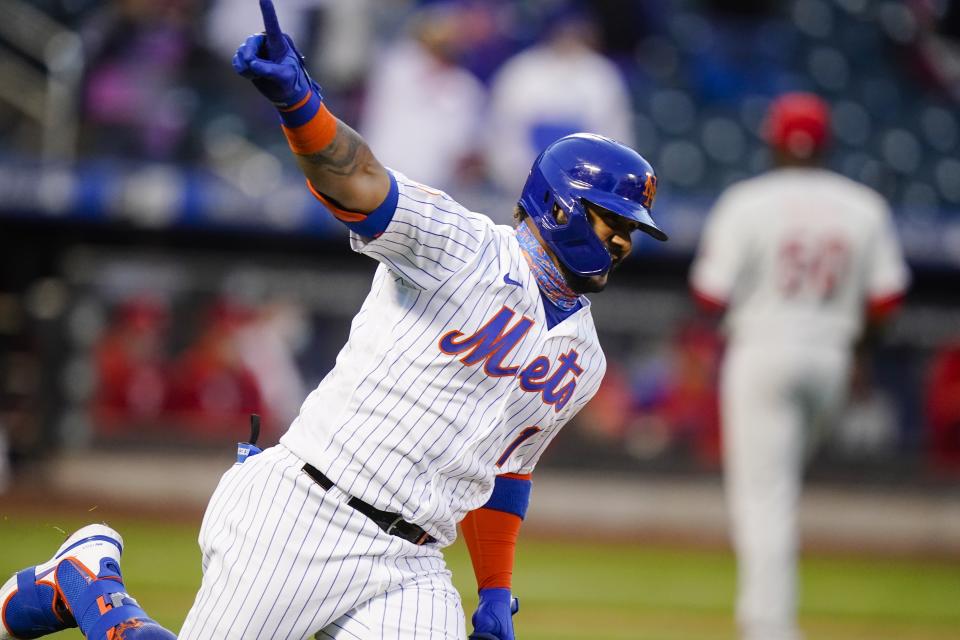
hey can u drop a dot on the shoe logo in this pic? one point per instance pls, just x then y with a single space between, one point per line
510 280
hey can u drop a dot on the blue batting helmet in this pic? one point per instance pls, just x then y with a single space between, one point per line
580 168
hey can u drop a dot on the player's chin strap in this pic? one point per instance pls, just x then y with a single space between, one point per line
247 449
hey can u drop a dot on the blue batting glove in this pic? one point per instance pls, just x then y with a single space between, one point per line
272 62
493 618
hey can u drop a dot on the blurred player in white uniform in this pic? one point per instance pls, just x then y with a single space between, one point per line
802 260
549 90
472 349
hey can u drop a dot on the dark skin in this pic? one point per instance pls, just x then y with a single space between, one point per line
347 172
614 231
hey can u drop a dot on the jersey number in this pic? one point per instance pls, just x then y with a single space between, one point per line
525 435
812 267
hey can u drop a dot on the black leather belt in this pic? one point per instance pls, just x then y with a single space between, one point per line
392 523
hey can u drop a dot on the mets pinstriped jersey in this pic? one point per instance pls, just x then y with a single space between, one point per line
450 374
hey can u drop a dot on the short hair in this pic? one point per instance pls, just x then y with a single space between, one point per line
519 214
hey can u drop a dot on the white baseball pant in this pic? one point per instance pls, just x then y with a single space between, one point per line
774 399
284 559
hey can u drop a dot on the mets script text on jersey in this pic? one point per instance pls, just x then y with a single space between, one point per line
493 342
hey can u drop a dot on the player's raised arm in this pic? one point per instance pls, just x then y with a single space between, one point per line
420 234
337 162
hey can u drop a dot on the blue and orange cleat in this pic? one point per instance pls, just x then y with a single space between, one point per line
80 586
31 602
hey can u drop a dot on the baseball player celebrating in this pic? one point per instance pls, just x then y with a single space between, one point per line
800 258
472 349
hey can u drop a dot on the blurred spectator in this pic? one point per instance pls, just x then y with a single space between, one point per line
934 30
333 35
943 409
607 416
344 42
557 87
422 114
494 31
130 362
667 406
267 347
212 391
147 67
229 22
689 405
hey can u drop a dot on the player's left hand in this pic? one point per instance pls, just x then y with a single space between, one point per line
493 618
272 62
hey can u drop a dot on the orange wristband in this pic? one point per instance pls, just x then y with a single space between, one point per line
315 135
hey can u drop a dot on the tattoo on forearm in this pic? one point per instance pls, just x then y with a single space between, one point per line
345 156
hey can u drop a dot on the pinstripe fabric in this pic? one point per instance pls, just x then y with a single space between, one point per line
284 559
427 607
448 361
408 428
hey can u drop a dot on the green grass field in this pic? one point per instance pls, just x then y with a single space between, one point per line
568 591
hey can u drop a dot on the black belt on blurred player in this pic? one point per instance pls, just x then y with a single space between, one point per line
392 523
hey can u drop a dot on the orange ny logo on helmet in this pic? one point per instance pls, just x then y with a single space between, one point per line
649 190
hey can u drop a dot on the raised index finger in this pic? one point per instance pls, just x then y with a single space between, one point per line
275 42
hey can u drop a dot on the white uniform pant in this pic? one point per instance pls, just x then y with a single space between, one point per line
774 401
284 559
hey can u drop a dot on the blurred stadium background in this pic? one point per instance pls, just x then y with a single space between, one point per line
165 273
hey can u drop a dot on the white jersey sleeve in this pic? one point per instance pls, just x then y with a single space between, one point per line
429 237
887 272
719 257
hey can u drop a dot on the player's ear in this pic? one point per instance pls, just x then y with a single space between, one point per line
559 214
